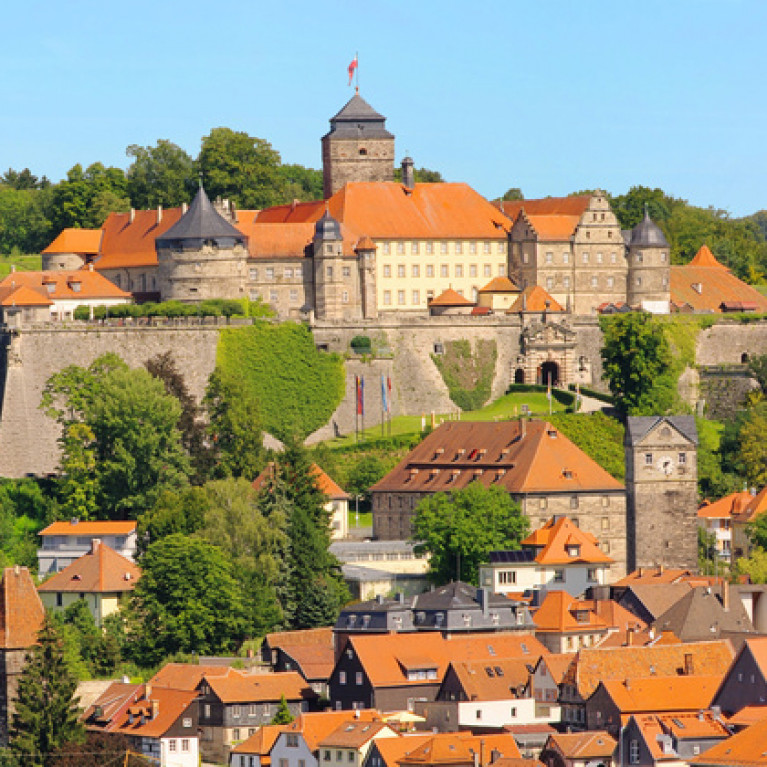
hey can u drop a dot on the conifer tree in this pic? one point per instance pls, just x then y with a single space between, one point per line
283 715
46 716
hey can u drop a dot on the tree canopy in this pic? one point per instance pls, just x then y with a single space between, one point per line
459 529
160 175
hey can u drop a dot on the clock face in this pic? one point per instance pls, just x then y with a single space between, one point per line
665 466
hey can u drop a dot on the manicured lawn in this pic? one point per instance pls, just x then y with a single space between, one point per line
22 264
366 518
504 408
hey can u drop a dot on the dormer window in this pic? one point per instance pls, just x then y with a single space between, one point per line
75 286
51 286
573 550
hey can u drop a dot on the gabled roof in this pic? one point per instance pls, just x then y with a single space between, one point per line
354 734
654 575
725 507
237 687
583 745
316 726
391 750
744 749
21 611
560 612
748 715
90 529
101 570
172 704
559 537
311 649
668 693
22 295
185 676
576 205
704 257
82 241
55 285
535 299
458 748
529 458
685 725
500 285
261 742
491 679
450 297
553 228
593 665
639 426
658 597
754 508
556 664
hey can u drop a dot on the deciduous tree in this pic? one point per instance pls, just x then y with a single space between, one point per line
163 174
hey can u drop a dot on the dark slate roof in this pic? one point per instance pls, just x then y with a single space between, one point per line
648 234
638 426
327 228
202 222
358 120
456 595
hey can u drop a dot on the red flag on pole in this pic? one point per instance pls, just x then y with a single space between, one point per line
358 385
352 67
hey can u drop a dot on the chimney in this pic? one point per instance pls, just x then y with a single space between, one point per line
159 213
408 174
482 599
147 691
660 569
725 594
90 266
13 268
16 570
522 427
689 664
184 208
155 708
630 636
95 545
132 215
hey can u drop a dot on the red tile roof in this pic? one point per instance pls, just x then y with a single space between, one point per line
656 694
744 749
21 611
238 687
460 452
91 284
90 529
12 295
558 538
725 507
261 742
562 613
534 299
553 228
459 748
101 570
584 745
354 734
450 297
171 705
500 285
492 679
316 726
548 206
185 676
83 241
756 506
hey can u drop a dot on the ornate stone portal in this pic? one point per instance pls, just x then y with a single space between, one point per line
547 352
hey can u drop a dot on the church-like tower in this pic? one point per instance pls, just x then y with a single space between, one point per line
649 268
357 148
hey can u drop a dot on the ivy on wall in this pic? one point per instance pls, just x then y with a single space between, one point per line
468 376
297 387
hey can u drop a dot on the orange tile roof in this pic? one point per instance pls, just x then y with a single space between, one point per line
547 206
534 299
557 664
450 297
700 724
725 507
117 696
557 537
668 693
322 637
354 734
492 679
84 241
385 657
757 646
185 676
172 704
584 745
391 750
388 210
593 665
748 715
101 570
90 529
288 240
553 228
744 749
316 726
756 506
261 742
238 687
459 748
460 452
324 482
21 611
557 614
22 295
312 649
704 257
650 575
92 284
500 285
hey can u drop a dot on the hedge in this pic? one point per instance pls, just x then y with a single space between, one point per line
594 394
468 376
216 307
560 395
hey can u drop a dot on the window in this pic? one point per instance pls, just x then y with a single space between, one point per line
172 744
429 247
401 270
559 576
594 281
443 271
59 599
430 270
633 752
507 576
269 273
573 501
253 274
416 297
400 248
486 247
291 740
459 248
236 712
613 258
358 678
479 713
566 282
682 457
487 270
565 258
639 282
294 296
347 271
501 247
585 258
599 258
443 248
186 722
401 297
206 711
549 283
592 573
414 248
387 297
472 248
350 756
459 270
605 523
611 282
663 258
329 272
339 755
501 270
185 745
273 297
387 270
525 258
341 677
415 270
549 258
648 459
473 270
640 258
344 297
387 249
513 712
288 273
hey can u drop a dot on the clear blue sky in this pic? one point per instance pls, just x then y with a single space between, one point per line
550 97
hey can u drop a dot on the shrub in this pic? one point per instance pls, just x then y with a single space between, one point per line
361 344
468 376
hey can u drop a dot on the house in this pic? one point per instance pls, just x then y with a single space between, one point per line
744 749
64 542
337 504
565 624
715 519
72 249
393 671
309 652
615 699
450 302
54 295
590 666
498 295
488 695
531 460
581 749
558 555
159 722
461 750
21 618
102 578
452 609
388 751
745 683
256 750
349 743
741 543
185 676
234 704
673 738
545 679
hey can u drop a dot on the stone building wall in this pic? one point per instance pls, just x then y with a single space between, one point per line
11 666
356 159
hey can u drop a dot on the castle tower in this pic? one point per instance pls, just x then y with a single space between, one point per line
649 270
366 255
201 256
662 491
329 285
357 148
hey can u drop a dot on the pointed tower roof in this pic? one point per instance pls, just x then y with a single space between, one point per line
647 234
202 222
327 228
357 119
704 257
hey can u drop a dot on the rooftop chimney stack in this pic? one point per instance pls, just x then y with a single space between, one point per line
95 544
132 215
159 214
408 173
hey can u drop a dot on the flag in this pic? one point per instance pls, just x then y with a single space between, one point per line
388 391
358 395
352 67
548 391
361 403
384 400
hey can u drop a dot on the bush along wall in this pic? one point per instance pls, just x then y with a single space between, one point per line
468 375
297 387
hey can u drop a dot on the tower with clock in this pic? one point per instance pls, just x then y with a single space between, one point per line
662 491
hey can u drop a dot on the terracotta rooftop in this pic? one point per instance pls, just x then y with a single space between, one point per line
185 676
57 285
500 285
316 726
666 693
311 649
755 507
534 299
547 206
560 542
172 704
83 241
261 742
699 724
553 228
324 482
450 297
744 749
101 570
238 687
391 750
534 457
584 745
725 507
353 734
560 613
458 748
12 295
748 715
491 679
704 257
90 529
556 664
649 575
21 611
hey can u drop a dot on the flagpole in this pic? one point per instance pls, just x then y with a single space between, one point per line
356 408
357 73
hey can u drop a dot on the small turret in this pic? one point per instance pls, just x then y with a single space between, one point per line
649 272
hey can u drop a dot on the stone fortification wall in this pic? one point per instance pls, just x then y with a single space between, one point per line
27 436
726 342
